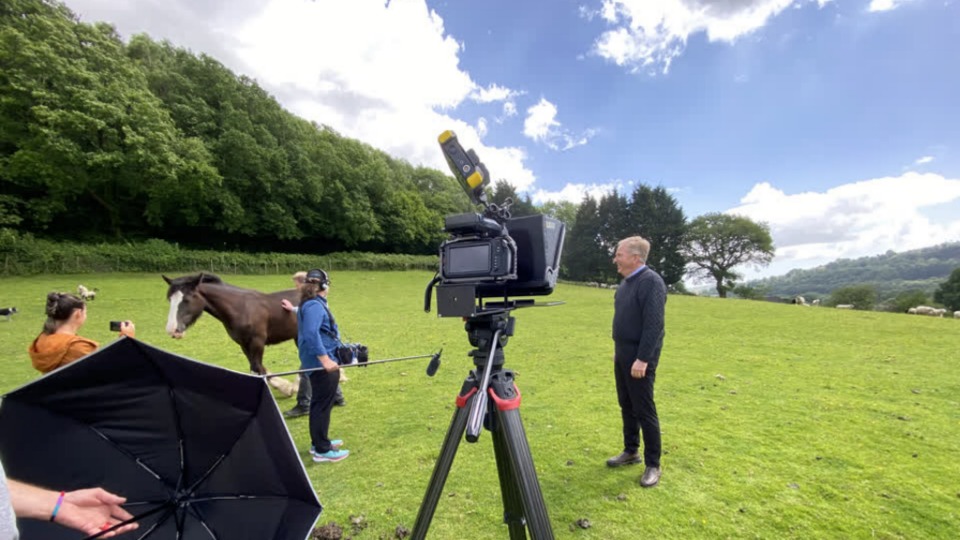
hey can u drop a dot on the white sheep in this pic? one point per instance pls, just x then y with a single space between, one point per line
85 293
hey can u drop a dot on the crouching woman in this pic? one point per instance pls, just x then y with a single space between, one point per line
58 343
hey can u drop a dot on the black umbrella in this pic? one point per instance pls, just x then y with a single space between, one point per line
200 452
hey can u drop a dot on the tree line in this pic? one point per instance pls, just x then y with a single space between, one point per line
102 140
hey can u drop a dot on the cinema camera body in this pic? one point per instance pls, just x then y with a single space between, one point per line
491 255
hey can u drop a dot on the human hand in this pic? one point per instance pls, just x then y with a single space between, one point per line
127 329
639 369
94 510
285 304
329 365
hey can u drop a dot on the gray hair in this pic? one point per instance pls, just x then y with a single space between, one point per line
636 245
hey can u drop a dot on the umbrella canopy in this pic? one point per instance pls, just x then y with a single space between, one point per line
200 452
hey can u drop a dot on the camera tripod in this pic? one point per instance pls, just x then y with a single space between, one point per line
523 506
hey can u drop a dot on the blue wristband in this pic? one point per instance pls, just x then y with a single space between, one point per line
56 508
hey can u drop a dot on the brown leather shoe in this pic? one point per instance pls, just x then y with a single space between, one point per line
651 477
625 458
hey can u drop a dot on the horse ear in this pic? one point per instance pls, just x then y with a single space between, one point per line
168 280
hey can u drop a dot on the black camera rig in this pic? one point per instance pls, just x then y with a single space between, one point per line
491 255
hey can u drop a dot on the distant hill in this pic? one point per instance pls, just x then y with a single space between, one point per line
891 273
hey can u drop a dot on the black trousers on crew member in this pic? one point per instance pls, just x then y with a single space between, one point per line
304 392
324 387
637 408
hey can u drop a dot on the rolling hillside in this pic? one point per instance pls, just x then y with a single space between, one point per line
891 273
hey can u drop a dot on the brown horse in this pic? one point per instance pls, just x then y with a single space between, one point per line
252 319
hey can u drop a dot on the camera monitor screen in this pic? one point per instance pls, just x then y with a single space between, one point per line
468 260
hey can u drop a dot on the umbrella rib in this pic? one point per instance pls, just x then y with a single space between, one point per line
196 513
206 474
127 453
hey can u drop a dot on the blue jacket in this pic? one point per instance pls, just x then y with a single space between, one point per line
317 333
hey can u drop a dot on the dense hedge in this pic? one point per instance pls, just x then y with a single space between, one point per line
22 254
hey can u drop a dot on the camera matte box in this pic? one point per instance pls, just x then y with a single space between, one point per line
539 242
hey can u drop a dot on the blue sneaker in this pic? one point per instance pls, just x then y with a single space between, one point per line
332 456
334 445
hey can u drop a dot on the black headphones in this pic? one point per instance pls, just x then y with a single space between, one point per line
318 276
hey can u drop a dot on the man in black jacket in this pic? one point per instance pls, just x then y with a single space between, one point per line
638 321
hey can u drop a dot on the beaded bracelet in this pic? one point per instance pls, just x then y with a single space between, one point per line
56 508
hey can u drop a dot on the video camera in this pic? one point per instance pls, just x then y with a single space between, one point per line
491 254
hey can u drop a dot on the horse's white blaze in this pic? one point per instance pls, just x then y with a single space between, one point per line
175 300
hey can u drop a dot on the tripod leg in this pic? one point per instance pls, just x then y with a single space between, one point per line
440 471
507 400
509 490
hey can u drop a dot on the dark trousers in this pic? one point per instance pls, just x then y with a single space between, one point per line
324 387
637 409
303 393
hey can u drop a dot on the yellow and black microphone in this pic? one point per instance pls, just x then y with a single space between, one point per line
466 167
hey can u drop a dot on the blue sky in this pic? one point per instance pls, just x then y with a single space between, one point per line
835 122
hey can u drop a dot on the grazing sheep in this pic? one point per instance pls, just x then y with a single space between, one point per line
912 311
956 314
815 302
799 301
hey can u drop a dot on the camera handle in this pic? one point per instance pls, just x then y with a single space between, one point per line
429 292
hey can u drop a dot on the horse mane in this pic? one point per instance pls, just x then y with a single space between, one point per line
179 282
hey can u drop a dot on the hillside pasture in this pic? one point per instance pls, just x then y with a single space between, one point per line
778 422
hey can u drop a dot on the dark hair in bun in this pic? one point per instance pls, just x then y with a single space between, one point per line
60 306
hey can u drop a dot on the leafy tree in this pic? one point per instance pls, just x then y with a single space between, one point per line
565 211
908 299
716 243
949 292
748 292
862 297
584 256
655 215
520 206
614 213
83 143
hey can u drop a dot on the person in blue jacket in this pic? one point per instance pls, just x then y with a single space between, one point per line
317 342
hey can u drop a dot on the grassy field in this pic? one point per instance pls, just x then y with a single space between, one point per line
778 421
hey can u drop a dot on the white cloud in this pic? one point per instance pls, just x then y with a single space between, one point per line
648 35
388 76
576 192
853 220
541 121
884 5
924 160
541 126
482 127
494 92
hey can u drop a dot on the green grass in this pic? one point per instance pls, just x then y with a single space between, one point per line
778 421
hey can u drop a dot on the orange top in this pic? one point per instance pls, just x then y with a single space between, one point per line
50 351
